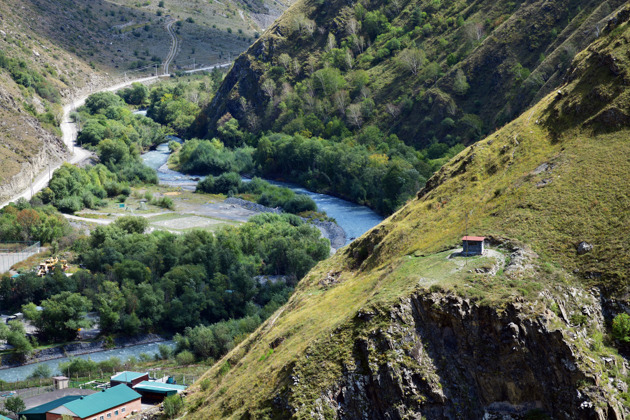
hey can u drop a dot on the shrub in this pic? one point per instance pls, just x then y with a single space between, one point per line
165 351
185 357
172 405
205 384
69 204
41 371
300 203
621 327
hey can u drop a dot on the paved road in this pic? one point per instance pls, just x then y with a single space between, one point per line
174 46
69 130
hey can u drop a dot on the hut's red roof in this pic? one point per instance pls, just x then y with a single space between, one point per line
474 238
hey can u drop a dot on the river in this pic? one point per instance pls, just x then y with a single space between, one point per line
22 372
353 218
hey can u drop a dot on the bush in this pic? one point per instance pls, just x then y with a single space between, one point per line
185 357
300 203
621 327
165 351
41 371
69 204
164 202
205 384
172 405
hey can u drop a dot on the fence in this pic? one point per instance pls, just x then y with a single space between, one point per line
14 252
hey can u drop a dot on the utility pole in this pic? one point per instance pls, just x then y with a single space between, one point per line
194 64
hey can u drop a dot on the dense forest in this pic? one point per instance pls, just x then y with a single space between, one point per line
366 100
164 283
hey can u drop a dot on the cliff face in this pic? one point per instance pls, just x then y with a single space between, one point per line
440 356
397 325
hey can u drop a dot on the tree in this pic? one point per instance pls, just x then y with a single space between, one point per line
353 26
269 87
132 224
460 84
412 59
474 31
14 404
354 114
331 42
621 327
63 315
284 60
41 371
136 95
375 23
100 101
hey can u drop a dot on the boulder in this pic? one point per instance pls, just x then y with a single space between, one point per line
584 247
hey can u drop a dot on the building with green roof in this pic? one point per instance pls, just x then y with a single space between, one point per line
128 378
39 412
157 391
111 404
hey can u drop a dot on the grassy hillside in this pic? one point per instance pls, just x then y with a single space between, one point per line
127 35
389 327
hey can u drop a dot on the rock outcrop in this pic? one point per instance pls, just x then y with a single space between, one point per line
437 356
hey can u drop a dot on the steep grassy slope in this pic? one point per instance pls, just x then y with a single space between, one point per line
36 77
428 71
391 328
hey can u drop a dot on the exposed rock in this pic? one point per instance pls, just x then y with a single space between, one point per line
442 356
584 247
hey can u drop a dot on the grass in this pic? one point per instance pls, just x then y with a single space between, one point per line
496 184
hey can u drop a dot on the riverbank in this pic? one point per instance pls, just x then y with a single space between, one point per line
79 349
330 230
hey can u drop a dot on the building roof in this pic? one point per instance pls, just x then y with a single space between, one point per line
51 405
89 405
61 378
474 238
127 376
158 387
4 418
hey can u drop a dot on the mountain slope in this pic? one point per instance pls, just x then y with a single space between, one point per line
394 326
428 71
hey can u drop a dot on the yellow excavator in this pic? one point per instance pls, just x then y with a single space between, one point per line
49 265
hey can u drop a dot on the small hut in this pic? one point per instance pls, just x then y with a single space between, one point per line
61 382
472 245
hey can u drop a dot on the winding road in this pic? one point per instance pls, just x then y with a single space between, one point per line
174 46
69 128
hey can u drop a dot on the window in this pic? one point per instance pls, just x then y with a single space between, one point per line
122 409
102 418
109 415
116 412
